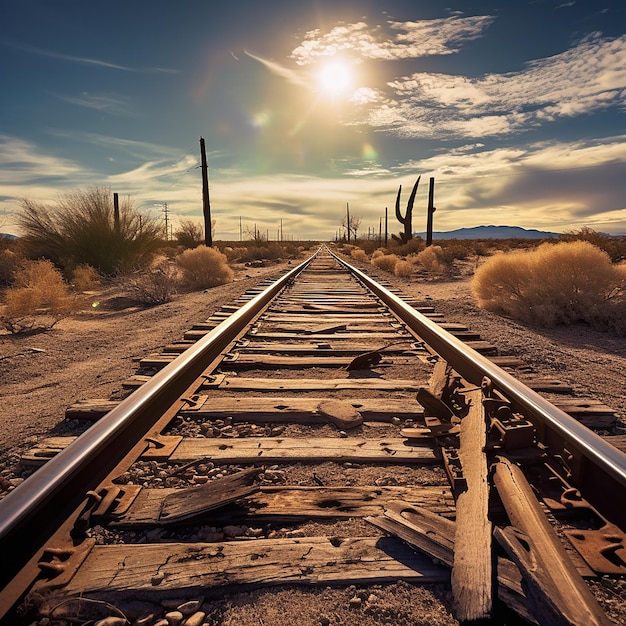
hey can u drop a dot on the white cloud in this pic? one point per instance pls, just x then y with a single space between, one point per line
587 78
406 40
114 104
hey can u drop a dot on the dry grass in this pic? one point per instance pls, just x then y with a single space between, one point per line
560 283
38 299
204 267
359 255
404 269
387 262
85 278
431 259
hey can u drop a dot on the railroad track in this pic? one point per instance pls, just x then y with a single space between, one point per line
322 433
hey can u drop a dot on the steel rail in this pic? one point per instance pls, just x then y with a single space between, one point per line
473 367
31 513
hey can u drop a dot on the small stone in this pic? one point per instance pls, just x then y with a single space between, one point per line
174 618
197 619
324 621
234 531
372 599
343 434
396 421
161 622
200 480
355 602
192 606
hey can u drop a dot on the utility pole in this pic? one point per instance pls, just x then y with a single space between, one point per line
431 210
281 228
206 204
240 230
116 214
386 231
380 231
348 220
166 213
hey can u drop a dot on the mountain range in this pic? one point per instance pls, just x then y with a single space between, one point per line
492 232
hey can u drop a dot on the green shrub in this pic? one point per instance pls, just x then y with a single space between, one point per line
204 267
387 262
38 299
80 229
553 284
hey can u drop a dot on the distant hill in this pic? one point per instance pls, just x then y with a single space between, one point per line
7 236
492 232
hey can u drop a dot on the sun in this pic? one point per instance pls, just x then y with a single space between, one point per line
335 79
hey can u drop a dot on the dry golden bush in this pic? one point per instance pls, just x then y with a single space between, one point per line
359 255
154 286
560 283
404 269
204 267
85 278
431 259
38 299
378 253
387 262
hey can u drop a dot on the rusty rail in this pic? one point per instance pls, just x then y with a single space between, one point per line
599 468
31 513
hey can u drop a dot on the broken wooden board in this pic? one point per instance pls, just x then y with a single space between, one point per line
153 571
237 383
372 336
434 535
183 504
326 348
341 413
269 450
291 504
555 590
472 570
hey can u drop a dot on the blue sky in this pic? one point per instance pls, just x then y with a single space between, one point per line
517 109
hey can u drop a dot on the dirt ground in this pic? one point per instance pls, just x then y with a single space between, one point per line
91 354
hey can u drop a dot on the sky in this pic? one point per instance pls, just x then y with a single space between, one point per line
517 109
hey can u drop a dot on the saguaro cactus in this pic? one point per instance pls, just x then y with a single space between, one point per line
407 220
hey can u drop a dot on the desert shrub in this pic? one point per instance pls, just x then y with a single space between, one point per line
9 265
359 255
38 299
156 285
431 259
189 234
413 246
204 267
85 278
615 247
387 262
553 284
404 269
81 229
378 253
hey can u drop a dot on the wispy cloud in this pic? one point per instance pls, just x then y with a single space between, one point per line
295 77
114 104
589 77
407 39
84 60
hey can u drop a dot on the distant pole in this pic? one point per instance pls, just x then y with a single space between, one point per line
116 214
206 204
240 230
380 231
431 210
348 220
166 212
281 228
386 230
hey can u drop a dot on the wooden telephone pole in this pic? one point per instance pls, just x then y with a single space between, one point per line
206 204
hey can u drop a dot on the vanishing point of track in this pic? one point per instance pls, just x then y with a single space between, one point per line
322 398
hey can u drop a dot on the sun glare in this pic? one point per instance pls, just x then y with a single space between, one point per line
335 79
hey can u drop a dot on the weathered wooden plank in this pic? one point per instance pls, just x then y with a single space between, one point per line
263 409
269 361
556 592
550 385
303 450
237 383
374 336
326 348
587 411
157 570
472 570
289 504
618 441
